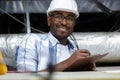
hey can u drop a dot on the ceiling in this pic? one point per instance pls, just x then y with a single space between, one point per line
40 6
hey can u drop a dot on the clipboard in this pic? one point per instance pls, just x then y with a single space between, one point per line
83 62
97 57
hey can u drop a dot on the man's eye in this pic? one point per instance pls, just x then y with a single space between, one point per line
58 16
71 18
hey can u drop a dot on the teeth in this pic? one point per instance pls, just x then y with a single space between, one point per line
62 28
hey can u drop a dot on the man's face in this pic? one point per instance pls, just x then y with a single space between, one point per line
61 23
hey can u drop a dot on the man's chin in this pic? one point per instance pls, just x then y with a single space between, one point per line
62 35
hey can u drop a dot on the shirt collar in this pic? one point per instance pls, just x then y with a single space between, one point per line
52 39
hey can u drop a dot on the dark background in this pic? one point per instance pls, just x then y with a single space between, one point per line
93 18
87 22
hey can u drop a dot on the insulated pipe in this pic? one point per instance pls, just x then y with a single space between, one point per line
99 43
95 42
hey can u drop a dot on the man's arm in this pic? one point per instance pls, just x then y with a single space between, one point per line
78 61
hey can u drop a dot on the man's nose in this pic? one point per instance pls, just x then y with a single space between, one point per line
64 21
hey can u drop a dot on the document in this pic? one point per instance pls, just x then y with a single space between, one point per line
85 62
97 57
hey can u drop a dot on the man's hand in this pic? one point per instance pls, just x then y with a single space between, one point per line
79 61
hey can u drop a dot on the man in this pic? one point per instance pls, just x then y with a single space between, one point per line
36 52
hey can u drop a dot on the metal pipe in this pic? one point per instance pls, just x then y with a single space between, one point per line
27 17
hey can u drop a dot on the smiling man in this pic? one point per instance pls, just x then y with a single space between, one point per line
61 24
36 52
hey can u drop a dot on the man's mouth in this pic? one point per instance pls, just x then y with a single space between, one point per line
62 28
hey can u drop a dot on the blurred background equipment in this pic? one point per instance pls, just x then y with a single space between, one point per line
3 67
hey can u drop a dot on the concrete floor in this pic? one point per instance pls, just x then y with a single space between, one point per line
101 73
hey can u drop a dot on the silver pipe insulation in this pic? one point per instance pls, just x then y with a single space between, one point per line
99 43
95 42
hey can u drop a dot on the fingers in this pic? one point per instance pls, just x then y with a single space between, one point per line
83 55
84 51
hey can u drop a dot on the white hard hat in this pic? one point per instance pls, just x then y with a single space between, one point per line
63 5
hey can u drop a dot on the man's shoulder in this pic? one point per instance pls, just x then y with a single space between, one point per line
35 36
32 39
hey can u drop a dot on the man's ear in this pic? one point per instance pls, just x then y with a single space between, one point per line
48 20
